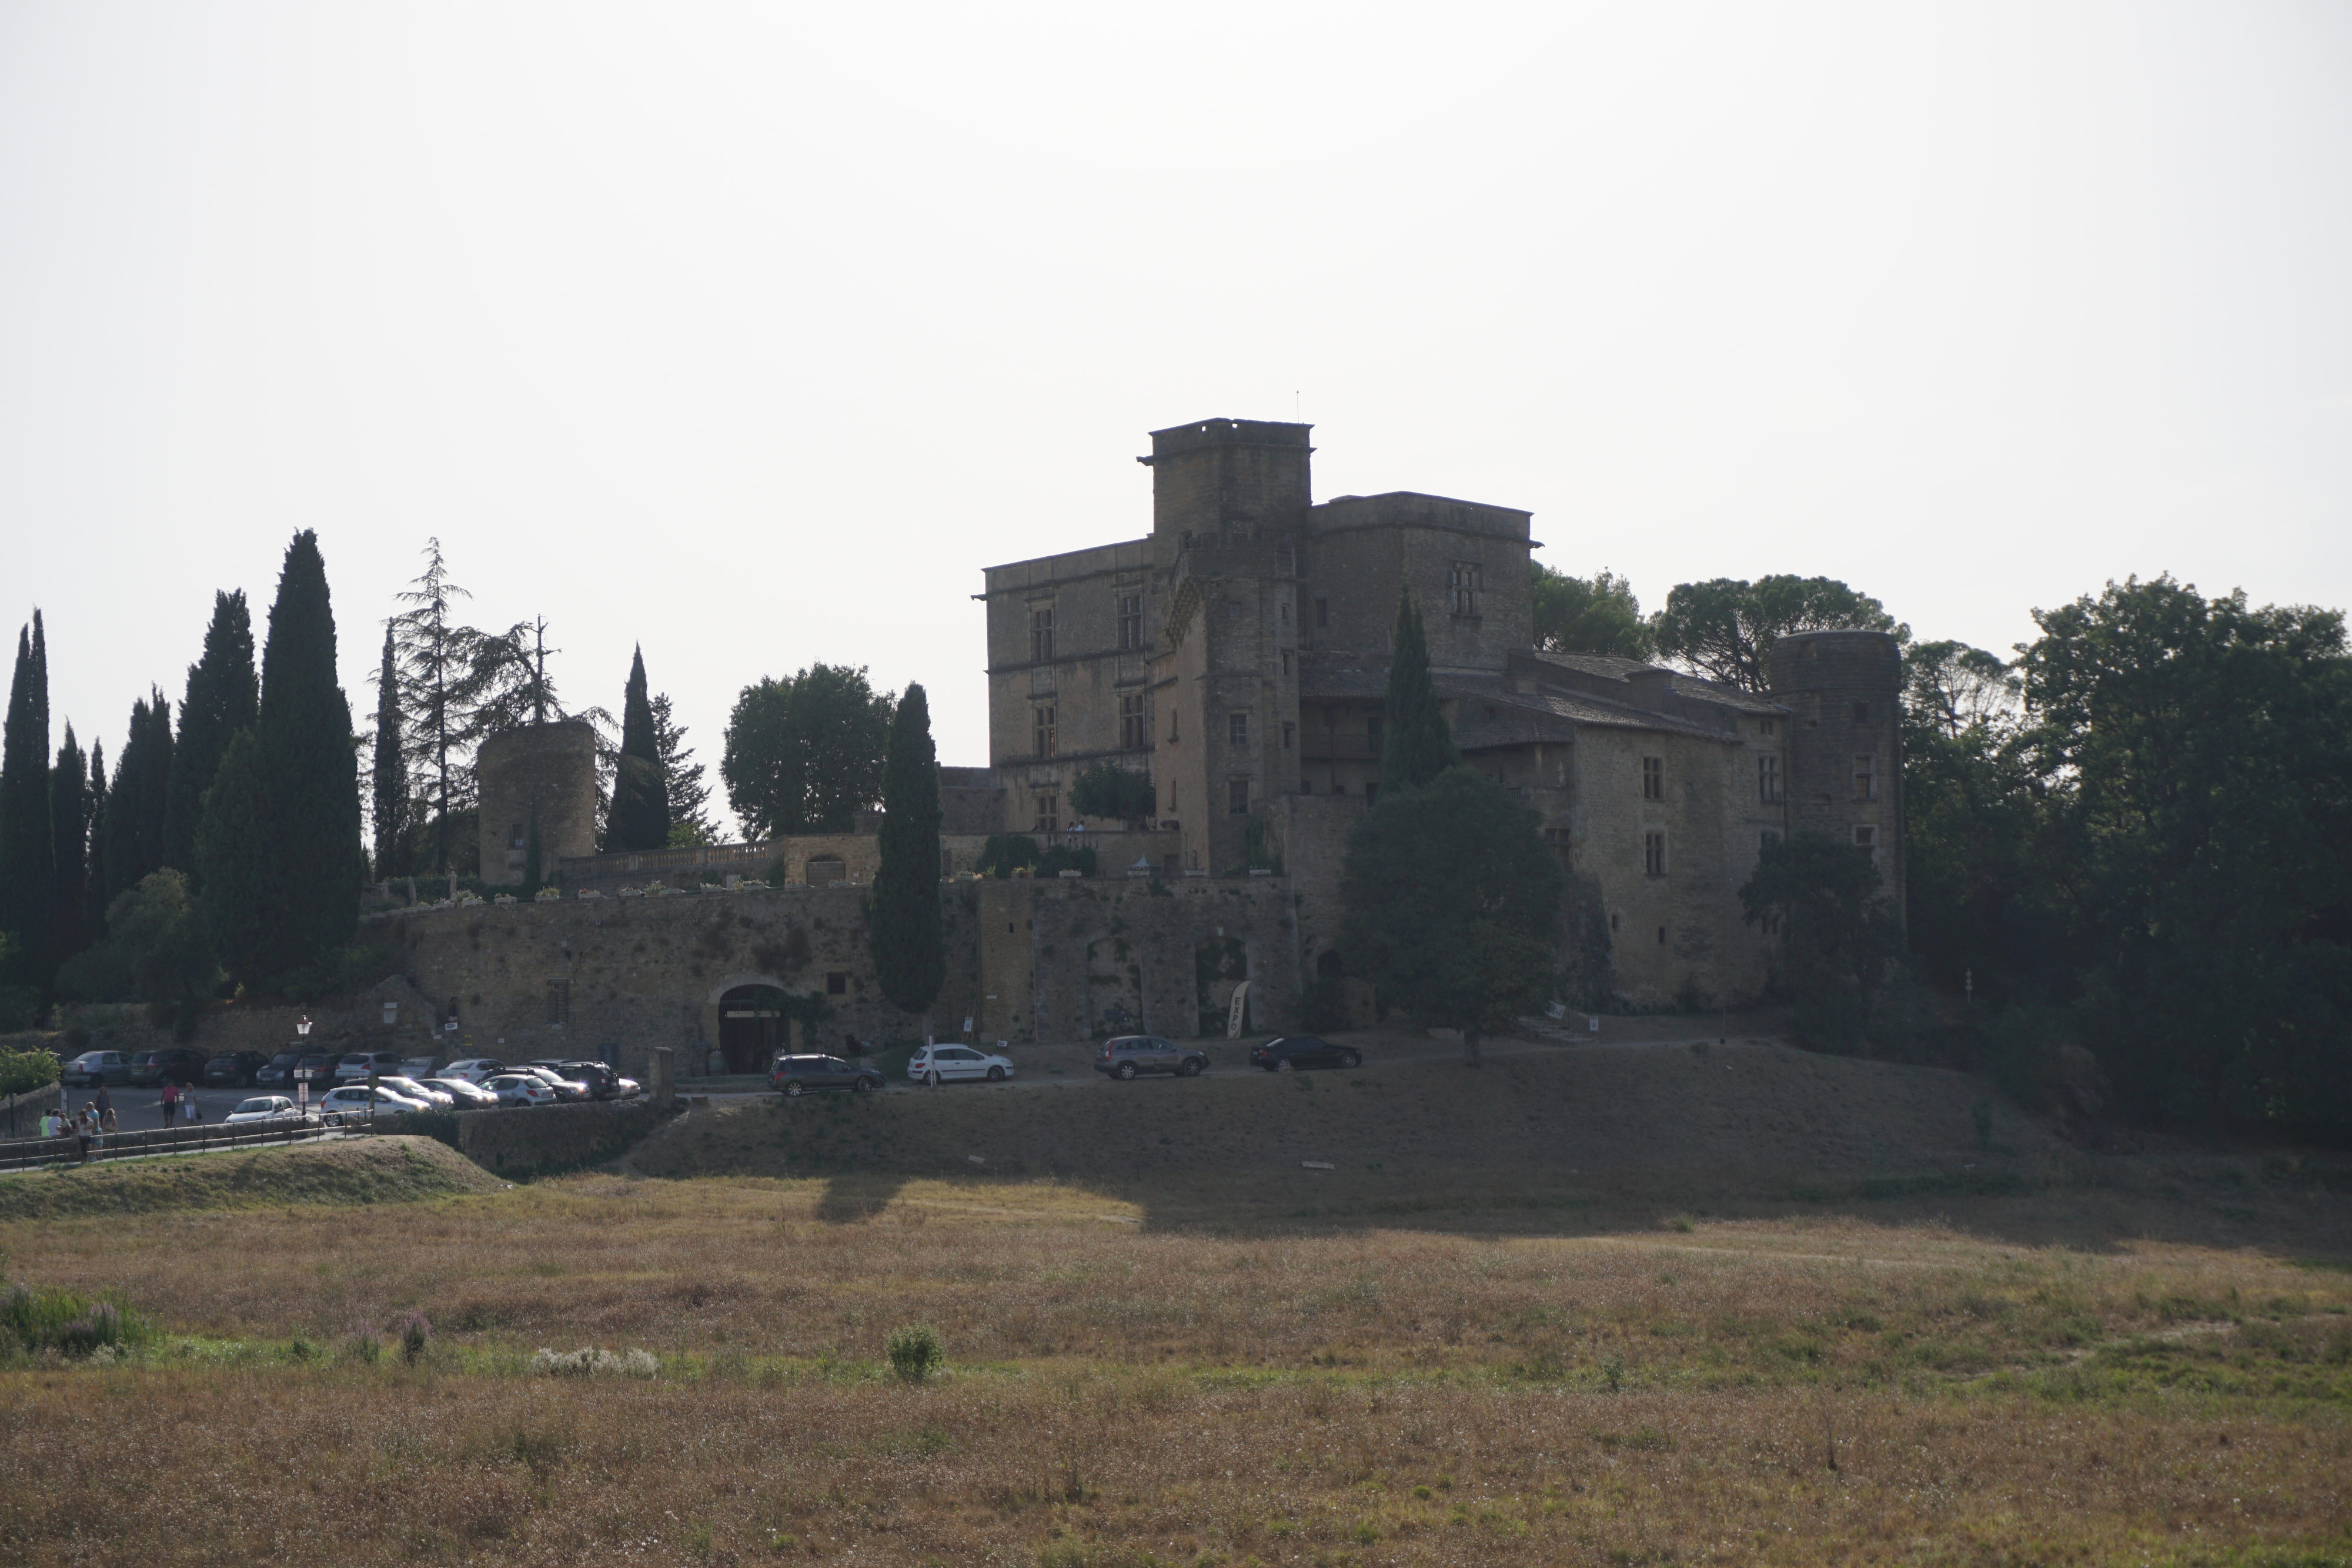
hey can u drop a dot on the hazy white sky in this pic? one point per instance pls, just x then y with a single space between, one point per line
752 333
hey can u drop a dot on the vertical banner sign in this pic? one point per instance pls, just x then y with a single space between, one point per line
1241 1007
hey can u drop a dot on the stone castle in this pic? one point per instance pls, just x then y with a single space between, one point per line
1236 656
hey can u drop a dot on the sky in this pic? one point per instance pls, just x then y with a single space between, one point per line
749 334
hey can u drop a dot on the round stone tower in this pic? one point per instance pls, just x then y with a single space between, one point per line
1844 692
546 768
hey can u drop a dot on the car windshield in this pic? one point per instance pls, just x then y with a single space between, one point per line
285 1059
255 1106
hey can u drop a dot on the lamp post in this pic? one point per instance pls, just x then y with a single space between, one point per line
302 1073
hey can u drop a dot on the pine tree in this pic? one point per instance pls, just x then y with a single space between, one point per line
910 945
436 693
28 878
690 796
281 831
222 697
391 776
1415 746
639 816
69 849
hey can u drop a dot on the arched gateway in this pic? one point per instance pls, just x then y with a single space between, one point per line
752 1026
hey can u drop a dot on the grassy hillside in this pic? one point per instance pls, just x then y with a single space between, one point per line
373 1170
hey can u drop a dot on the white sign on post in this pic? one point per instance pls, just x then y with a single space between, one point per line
1240 1008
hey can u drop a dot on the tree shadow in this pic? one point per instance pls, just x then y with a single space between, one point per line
856 1197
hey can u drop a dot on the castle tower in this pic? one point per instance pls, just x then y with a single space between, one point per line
1844 691
1226 480
546 769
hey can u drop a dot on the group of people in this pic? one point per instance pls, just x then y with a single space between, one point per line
95 1120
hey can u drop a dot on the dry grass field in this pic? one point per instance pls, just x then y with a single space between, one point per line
1758 1356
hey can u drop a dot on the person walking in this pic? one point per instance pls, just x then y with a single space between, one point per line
105 1104
106 1127
85 1129
171 1100
188 1107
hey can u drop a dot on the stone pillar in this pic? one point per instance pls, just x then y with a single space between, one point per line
661 1079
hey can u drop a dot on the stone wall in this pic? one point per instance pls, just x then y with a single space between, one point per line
554 1137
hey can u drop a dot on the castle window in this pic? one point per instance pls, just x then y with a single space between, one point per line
1134 723
836 984
1237 797
1767 839
1763 726
1289 734
1768 779
1462 582
1130 621
1654 854
1654 779
1862 713
1237 728
1285 612
1233 609
1173 714
1049 815
1045 731
1372 730
558 1001
514 836
1286 663
1322 613
1661 936
1772 924
1041 633
822 870
1866 839
1866 778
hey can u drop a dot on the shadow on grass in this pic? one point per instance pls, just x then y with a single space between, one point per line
851 1198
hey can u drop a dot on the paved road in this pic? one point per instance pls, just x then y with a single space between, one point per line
137 1109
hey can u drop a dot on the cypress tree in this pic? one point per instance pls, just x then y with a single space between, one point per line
135 805
93 893
281 829
223 698
639 816
1415 746
390 780
69 848
29 879
910 945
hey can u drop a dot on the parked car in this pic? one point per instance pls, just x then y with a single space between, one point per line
92 1068
1127 1056
521 1089
279 1069
566 1089
604 1082
319 1066
794 1076
466 1096
934 1064
352 1101
1286 1052
420 1067
263 1108
174 1064
358 1064
473 1069
234 1067
439 1099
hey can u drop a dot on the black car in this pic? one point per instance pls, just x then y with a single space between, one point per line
1285 1052
1127 1056
797 1075
279 1070
238 1069
174 1064
604 1082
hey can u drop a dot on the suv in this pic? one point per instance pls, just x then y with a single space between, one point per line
174 1064
795 1075
1285 1052
1126 1055
234 1067
279 1069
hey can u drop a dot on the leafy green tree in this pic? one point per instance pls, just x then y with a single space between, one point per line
689 793
2196 757
1453 905
1837 935
1415 745
1725 628
222 697
1005 853
159 931
29 873
1598 614
69 849
909 939
287 841
1104 791
388 779
804 754
639 818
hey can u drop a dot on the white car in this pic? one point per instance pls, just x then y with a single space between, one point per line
263 1108
439 1099
473 1069
936 1064
358 1100
521 1089
468 1096
354 1067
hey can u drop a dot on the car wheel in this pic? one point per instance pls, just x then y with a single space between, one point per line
1190 1069
1126 1072
932 1077
1350 1058
794 1089
864 1086
1284 1066
996 1075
